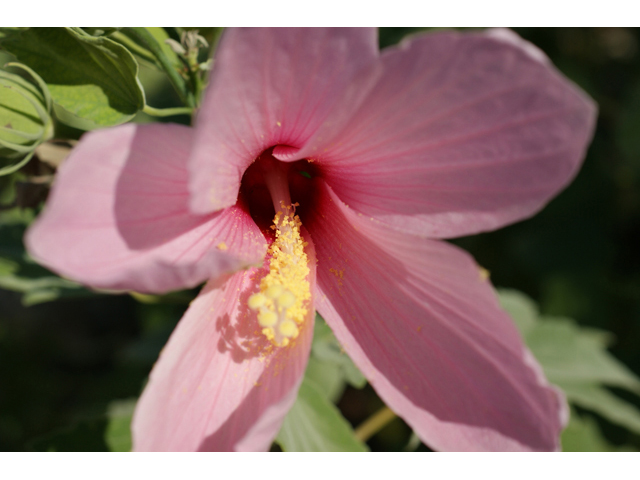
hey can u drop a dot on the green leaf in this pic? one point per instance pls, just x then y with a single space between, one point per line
7 267
99 31
599 400
576 359
569 353
327 350
583 435
315 425
326 376
167 61
117 435
522 309
140 48
92 80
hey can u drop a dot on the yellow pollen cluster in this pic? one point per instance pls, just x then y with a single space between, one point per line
284 291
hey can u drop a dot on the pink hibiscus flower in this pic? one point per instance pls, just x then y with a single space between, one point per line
320 175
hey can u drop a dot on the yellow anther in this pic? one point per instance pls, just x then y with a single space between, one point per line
274 291
268 332
288 329
256 301
285 291
267 319
287 299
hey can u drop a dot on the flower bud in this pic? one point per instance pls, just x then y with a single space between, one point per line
25 120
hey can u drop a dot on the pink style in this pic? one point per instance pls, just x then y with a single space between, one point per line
322 174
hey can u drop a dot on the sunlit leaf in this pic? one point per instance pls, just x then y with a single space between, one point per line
92 80
314 424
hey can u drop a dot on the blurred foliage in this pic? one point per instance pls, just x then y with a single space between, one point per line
19 273
73 361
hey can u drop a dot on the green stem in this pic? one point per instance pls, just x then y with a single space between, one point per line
134 47
374 424
196 82
167 112
142 35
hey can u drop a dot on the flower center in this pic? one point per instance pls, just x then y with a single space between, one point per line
285 291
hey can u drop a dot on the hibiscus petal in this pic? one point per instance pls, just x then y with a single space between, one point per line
426 329
268 87
118 216
219 384
459 134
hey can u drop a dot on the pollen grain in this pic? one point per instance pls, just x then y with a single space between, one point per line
282 302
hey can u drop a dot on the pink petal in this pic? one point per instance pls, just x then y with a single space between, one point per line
219 385
269 86
118 216
456 134
426 329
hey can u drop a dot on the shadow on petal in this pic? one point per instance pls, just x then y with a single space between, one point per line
152 195
427 331
242 337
